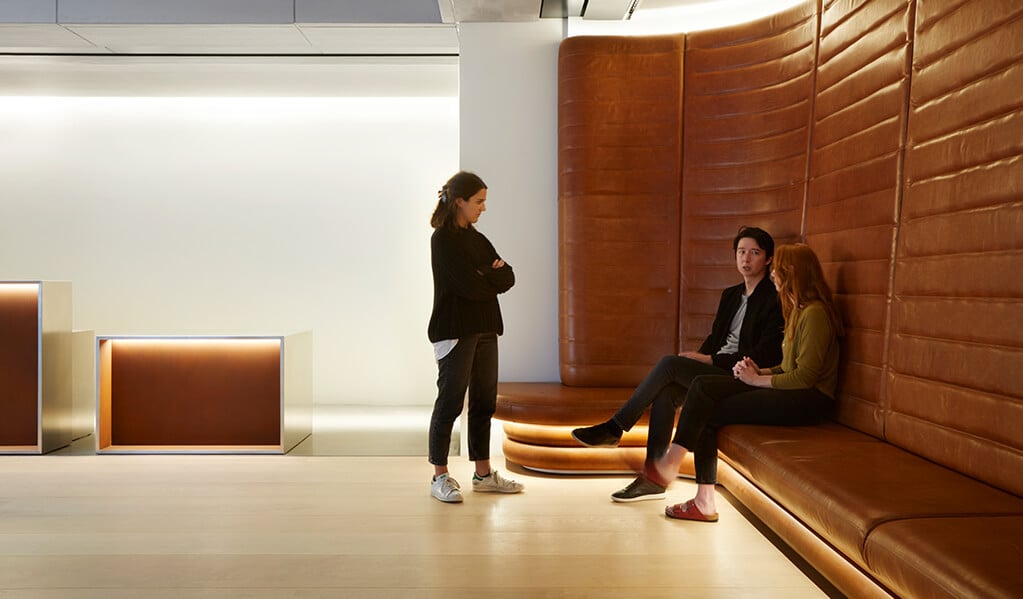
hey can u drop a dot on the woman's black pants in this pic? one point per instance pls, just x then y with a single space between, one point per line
472 365
716 401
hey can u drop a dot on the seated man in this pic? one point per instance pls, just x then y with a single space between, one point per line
748 323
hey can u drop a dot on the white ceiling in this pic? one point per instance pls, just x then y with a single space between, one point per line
271 27
305 48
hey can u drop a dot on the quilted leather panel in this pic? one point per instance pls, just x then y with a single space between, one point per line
619 151
858 134
957 317
747 117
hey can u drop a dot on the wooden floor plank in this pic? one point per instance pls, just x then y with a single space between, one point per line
221 526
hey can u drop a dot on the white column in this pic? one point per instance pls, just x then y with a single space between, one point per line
508 135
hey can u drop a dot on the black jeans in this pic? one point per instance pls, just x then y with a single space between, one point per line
472 365
663 391
716 401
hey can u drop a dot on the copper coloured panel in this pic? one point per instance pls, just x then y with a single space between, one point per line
195 392
19 364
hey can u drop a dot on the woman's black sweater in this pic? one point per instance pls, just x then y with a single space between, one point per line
465 285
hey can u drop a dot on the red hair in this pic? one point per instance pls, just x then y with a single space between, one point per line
800 280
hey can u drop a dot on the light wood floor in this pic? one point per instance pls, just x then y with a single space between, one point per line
298 526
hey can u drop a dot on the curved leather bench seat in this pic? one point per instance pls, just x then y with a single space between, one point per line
539 418
581 460
560 436
557 404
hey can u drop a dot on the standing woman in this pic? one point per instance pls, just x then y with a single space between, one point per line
799 391
467 277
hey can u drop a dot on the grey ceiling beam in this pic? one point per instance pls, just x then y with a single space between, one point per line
28 11
176 12
367 11
220 12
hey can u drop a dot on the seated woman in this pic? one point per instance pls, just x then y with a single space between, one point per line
800 391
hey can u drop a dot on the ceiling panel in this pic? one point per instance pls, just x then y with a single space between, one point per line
468 11
175 11
196 39
367 11
28 11
42 39
365 39
346 27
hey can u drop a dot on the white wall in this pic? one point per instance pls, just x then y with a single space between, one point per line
238 215
508 130
181 213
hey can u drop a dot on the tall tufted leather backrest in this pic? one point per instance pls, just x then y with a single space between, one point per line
889 135
860 104
619 150
955 392
748 93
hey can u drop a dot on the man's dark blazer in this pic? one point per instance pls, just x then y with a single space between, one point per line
762 328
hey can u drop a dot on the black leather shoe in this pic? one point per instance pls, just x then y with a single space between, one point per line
595 436
640 489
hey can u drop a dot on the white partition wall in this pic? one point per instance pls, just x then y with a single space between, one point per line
83 383
509 135
188 193
173 208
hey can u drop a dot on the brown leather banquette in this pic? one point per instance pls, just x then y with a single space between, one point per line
887 134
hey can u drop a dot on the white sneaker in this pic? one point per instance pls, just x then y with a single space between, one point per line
494 483
446 489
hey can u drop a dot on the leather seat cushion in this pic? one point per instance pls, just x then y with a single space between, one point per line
843 484
557 404
965 556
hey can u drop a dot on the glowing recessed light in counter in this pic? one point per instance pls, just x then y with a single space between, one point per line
18 289
197 343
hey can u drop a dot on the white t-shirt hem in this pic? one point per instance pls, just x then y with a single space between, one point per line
443 348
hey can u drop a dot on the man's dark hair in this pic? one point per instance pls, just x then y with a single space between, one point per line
762 237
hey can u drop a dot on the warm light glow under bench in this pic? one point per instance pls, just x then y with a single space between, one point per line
203 394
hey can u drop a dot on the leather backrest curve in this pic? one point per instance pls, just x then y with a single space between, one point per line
619 150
